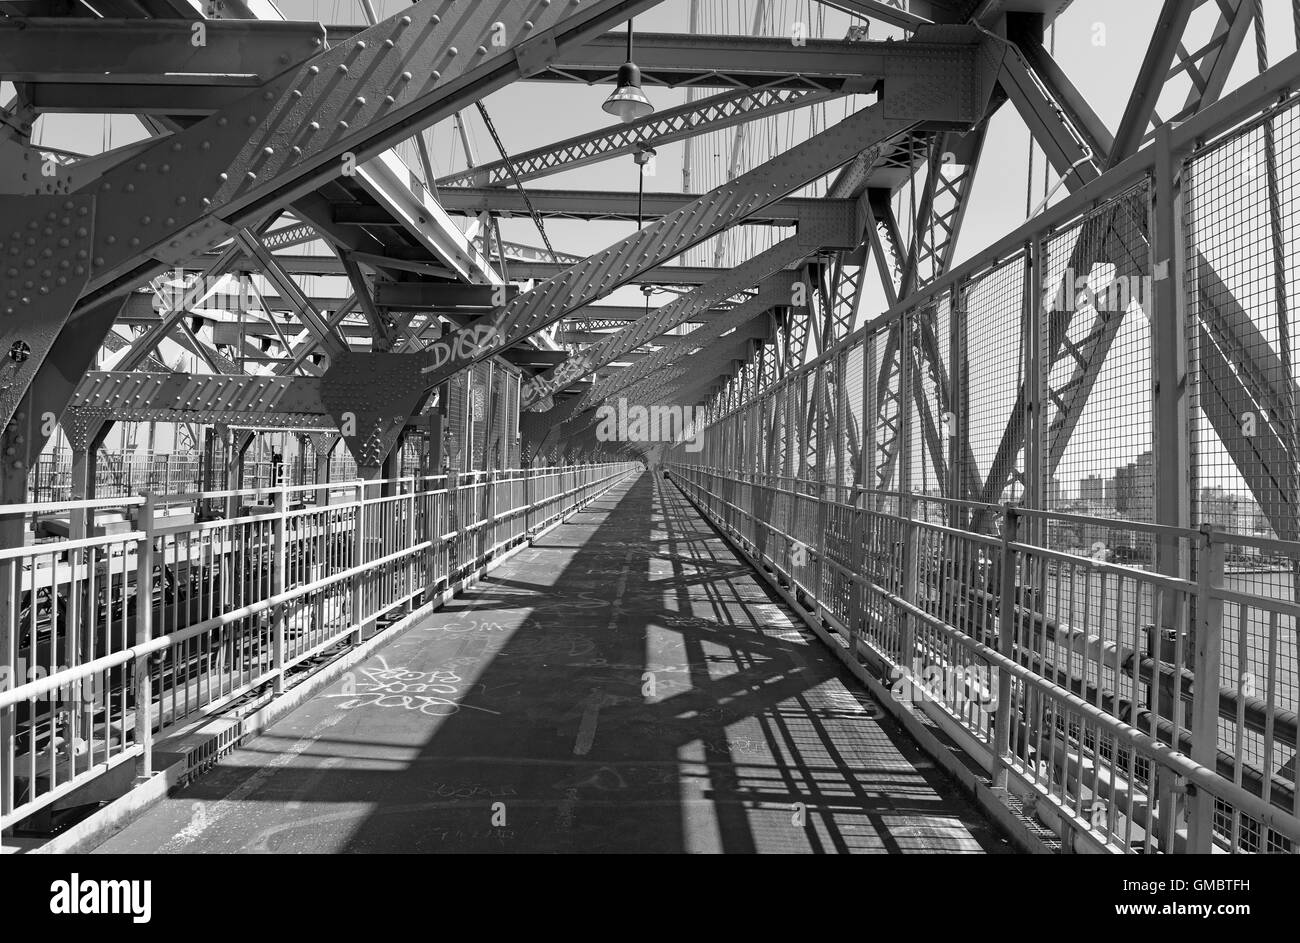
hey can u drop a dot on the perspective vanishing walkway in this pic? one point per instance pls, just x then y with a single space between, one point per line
628 684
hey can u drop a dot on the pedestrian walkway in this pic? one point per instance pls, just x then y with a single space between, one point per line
625 685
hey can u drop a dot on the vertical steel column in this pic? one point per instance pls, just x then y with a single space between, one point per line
85 469
1169 420
818 415
1036 361
906 505
956 425
321 455
1206 681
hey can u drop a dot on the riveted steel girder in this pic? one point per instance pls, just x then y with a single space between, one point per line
110 395
341 107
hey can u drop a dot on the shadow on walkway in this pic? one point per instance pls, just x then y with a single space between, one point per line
626 685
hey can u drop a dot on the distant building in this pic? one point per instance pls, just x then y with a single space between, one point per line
1092 488
1221 509
1135 498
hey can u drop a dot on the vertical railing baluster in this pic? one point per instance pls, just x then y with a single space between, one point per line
143 634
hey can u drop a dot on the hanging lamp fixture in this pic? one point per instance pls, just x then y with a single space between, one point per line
628 102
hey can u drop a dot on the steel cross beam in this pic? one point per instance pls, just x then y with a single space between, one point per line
699 117
114 396
897 14
682 311
1242 373
233 53
584 205
168 83
399 193
1061 142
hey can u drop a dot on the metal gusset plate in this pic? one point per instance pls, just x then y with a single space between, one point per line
45 245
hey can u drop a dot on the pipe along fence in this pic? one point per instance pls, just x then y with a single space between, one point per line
157 617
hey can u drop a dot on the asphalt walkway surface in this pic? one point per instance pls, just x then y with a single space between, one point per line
628 684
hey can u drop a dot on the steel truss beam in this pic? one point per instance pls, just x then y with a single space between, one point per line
1113 239
684 310
1167 58
302 128
198 186
665 275
772 292
699 117
961 66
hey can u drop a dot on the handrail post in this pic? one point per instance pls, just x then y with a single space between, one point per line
433 534
409 565
279 613
1205 685
143 635
491 525
1006 645
357 596
907 588
528 502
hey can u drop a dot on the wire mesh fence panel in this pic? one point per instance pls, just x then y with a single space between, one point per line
1095 441
991 341
927 405
1239 219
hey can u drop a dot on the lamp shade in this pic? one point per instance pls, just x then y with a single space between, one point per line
628 102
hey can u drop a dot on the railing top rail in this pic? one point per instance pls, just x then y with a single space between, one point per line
55 507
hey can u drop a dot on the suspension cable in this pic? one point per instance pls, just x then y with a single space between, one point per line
514 176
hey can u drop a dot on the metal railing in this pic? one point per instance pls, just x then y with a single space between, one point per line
1050 663
111 640
1114 654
